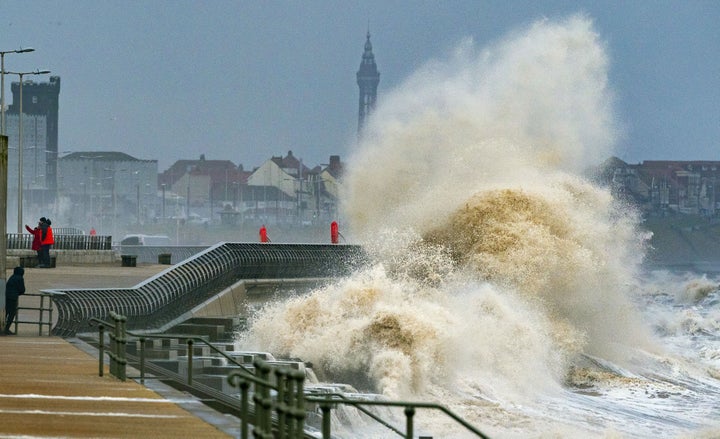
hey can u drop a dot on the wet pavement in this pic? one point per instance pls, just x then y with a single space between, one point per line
50 387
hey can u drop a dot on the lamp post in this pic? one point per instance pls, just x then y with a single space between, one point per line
20 144
163 203
2 83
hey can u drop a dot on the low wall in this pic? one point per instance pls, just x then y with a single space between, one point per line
149 253
66 257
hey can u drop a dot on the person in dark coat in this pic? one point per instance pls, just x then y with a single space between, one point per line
14 288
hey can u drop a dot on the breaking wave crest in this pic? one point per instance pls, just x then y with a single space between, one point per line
499 269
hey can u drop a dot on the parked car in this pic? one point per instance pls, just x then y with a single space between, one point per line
139 239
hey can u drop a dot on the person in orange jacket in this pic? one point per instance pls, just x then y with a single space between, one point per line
46 242
263 234
37 238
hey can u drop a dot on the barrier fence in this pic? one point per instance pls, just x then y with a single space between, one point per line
44 310
278 403
174 291
23 241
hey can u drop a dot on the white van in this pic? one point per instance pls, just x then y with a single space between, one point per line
138 239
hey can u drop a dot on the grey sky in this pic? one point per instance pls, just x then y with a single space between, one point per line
245 80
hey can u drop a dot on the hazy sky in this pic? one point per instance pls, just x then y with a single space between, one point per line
245 80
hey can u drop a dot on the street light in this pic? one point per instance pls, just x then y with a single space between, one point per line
20 143
2 83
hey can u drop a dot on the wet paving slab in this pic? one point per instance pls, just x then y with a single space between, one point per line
51 388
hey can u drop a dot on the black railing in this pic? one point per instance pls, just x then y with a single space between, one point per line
17 241
44 312
171 293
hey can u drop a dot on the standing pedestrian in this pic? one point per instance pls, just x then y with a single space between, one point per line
37 239
263 234
46 243
14 288
335 234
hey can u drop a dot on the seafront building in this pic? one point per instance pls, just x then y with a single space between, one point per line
102 188
663 187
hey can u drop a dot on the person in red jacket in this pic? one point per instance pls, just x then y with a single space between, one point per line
46 242
335 234
37 238
263 234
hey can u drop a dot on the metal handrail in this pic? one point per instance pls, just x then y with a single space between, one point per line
42 309
280 416
21 241
168 295
290 415
326 403
190 340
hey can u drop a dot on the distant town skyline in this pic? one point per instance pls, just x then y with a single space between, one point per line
245 82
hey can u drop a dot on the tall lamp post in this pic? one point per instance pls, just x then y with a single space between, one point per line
20 145
2 83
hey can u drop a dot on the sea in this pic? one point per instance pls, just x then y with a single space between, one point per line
505 282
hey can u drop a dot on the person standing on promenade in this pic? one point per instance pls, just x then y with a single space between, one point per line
37 238
14 288
46 243
335 234
263 234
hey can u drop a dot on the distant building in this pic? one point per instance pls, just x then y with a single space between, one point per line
661 187
103 189
40 100
368 78
207 184
288 176
35 156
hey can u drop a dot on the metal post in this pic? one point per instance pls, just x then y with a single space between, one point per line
3 224
190 361
142 360
244 409
282 405
409 414
299 405
2 86
138 203
101 348
121 348
325 407
20 142
2 93
20 160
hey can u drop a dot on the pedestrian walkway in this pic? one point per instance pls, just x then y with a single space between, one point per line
51 388
75 276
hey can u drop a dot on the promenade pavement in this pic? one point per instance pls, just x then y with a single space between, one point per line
50 387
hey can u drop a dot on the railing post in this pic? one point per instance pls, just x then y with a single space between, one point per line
42 314
101 347
122 341
142 360
409 415
190 361
282 404
326 419
298 407
113 348
262 401
244 409
50 310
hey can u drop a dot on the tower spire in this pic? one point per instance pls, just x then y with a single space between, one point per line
368 78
